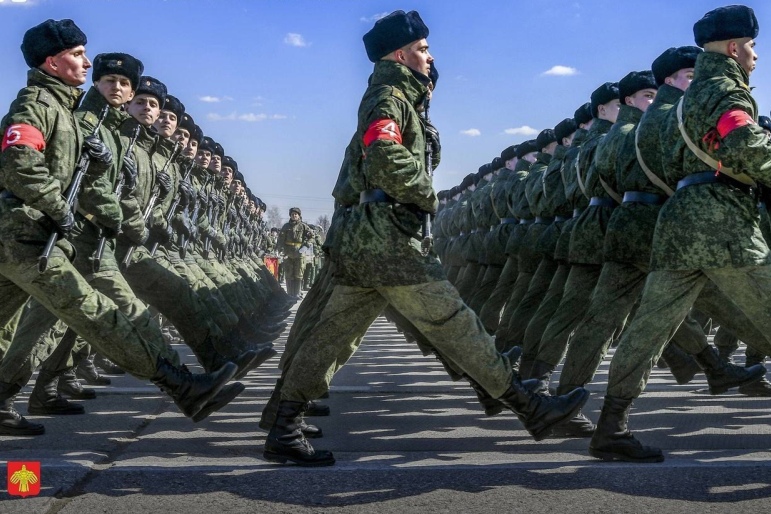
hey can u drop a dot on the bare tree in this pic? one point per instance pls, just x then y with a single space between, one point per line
273 217
323 222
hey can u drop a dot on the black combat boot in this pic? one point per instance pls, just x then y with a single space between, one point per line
222 398
269 413
612 439
682 366
726 343
71 386
88 372
11 422
722 376
107 365
315 409
577 426
252 359
286 442
540 413
541 372
46 400
760 387
492 406
192 392
525 368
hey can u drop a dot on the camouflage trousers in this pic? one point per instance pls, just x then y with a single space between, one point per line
667 297
293 268
491 310
64 292
514 333
485 288
471 278
575 300
434 309
546 309
517 292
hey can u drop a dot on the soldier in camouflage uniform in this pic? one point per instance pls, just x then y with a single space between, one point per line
40 148
708 230
292 236
382 259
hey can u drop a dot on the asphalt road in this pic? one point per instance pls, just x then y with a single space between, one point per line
406 440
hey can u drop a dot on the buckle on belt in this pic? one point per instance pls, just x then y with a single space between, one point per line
642 197
709 177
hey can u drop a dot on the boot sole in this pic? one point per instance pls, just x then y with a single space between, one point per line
610 456
211 407
544 432
22 432
282 459
216 388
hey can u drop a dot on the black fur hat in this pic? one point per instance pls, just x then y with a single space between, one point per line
154 87
117 63
564 128
583 114
635 81
673 60
729 22
49 38
509 153
206 143
174 105
527 147
604 94
545 138
230 163
393 32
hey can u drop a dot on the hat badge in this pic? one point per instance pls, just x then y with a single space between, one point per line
147 83
119 63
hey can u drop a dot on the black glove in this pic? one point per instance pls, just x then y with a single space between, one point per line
202 197
130 173
186 228
97 150
211 233
232 213
110 233
186 193
163 235
64 224
432 138
221 202
164 184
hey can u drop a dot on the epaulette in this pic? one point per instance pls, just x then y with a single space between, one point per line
91 119
45 98
398 93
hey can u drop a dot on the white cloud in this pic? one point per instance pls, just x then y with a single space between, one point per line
247 116
524 130
293 39
214 99
374 17
560 71
472 132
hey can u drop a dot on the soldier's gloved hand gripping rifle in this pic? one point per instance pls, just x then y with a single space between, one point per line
426 244
74 189
170 213
150 206
118 191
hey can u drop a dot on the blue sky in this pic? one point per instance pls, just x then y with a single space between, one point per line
278 82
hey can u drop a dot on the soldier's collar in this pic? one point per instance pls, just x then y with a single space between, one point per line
66 95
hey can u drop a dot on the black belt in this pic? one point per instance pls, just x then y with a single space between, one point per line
526 222
642 197
561 218
375 195
506 221
710 177
544 220
7 195
596 201
577 212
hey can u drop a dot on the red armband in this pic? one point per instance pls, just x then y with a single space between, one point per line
23 134
732 120
382 129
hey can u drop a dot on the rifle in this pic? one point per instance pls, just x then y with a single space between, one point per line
212 212
170 214
99 253
430 171
193 219
72 192
150 206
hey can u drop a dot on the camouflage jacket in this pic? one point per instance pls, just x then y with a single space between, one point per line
630 229
588 234
573 193
382 242
713 225
553 188
97 199
133 203
534 186
292 236
41 147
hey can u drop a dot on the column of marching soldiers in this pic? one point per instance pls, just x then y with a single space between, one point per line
150 213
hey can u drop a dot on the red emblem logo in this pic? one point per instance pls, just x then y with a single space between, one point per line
23 478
